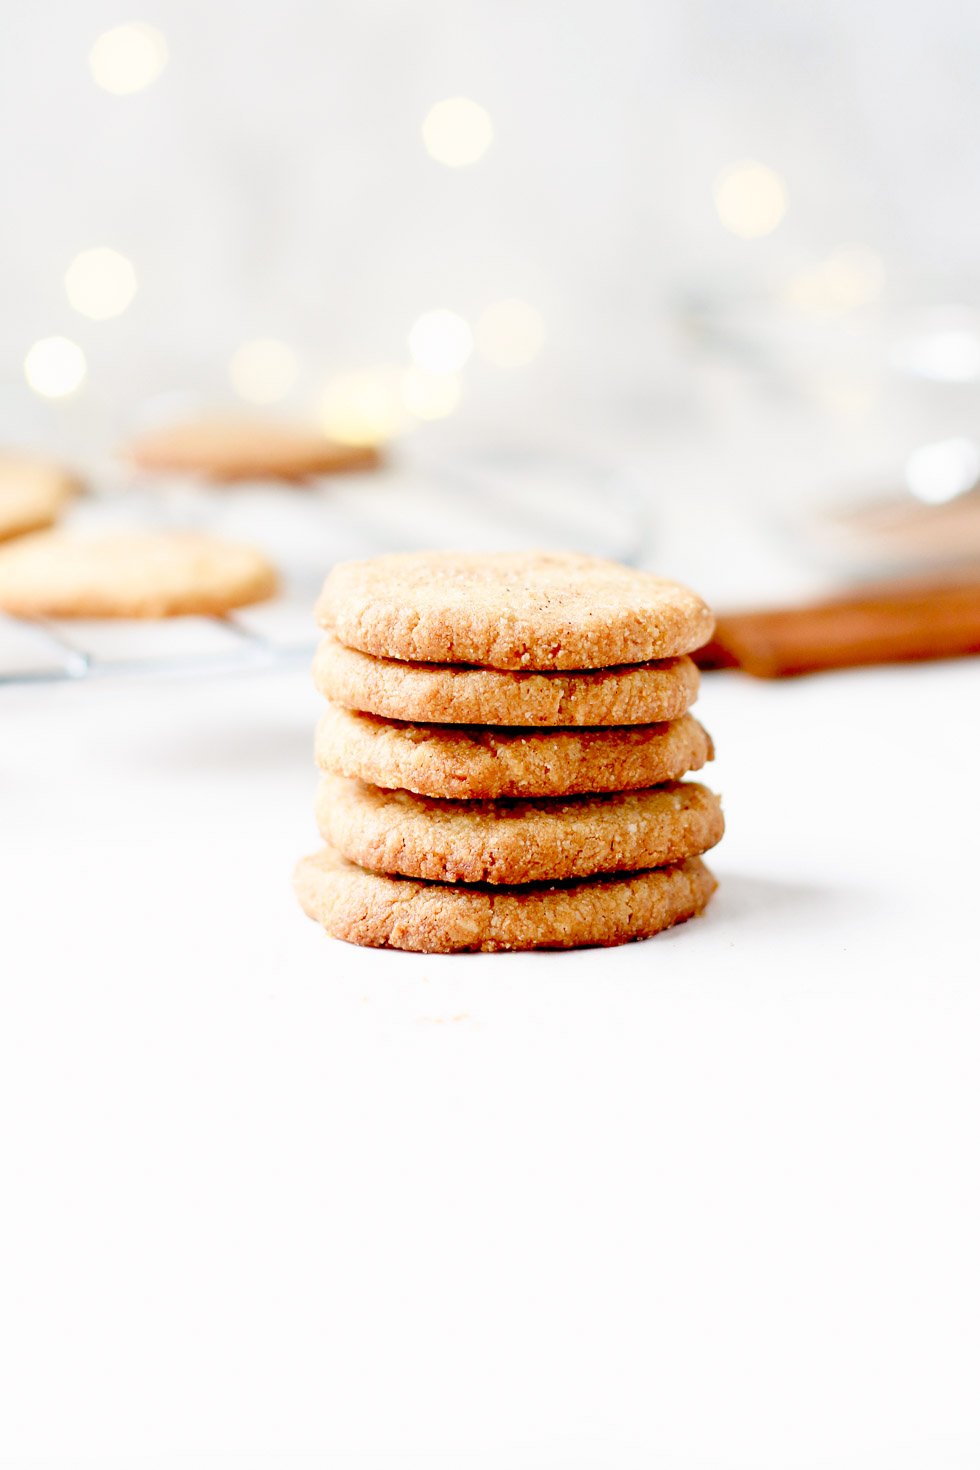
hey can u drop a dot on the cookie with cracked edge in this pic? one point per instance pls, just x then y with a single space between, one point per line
151 574
33 494
516 841
246 449
471 761
440 918
510 610
459 694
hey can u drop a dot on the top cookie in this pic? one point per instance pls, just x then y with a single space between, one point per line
243 449
33 494
510 610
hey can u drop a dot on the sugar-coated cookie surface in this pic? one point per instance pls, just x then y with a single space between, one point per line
516 841
130 575
631 694
467 761
510 610
245 449
33 493
438 918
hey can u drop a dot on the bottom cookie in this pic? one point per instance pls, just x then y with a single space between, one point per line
440 918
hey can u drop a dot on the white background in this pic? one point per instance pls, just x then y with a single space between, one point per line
273 182
707 1201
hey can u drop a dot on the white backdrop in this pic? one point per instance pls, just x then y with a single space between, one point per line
272 182
706 1204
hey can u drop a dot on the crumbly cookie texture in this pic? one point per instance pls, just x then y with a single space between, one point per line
530 610
469 761
517 841
631 694
438 918
33 494
243 449
133 575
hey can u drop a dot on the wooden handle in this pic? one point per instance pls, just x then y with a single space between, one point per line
897 624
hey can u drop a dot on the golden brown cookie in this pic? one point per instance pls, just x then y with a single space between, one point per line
33 494
152 574
517 841
440 918
245 449
510 610
459 694
468 761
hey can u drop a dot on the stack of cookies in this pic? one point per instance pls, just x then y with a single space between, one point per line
502 751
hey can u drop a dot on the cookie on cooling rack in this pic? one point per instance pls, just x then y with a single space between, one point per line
33 493
151 574
246 449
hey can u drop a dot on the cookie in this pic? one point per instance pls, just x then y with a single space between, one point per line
130 575
516 841
33 494
469 761
243 449
510 610
440 918
632 694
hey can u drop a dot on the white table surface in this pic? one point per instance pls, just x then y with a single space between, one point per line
710 1200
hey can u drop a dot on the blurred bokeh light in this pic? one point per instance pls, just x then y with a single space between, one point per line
457 132
55 367
364 407
750 199
440 341
128 58
100 283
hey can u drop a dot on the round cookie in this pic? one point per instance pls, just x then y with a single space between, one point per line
632 694
243 449
33 494
520 841
467 761
152 574
510 610
438 918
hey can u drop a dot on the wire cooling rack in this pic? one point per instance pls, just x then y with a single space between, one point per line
45 652
506 498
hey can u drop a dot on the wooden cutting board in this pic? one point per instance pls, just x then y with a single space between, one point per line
895 623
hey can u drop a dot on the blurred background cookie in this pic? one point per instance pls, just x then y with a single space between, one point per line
33 493
228 449
130 575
